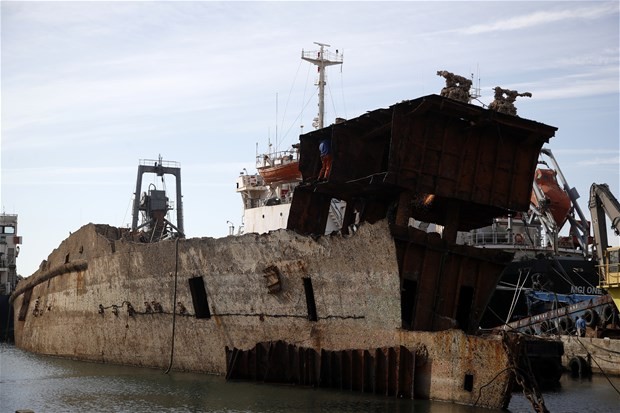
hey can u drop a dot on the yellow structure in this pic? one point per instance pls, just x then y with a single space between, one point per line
609 273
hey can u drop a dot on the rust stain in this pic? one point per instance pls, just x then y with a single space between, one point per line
80 282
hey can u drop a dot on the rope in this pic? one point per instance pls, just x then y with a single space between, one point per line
597 365
516 296
131 200
514 299
290 92
303 107
565 276
344 103
174 303
298 116
331 98
604 349
529 386
491 381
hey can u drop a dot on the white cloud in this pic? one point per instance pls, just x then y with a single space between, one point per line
539 18
586 151
577 83
598 161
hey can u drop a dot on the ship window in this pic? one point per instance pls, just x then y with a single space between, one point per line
468 384
8 230
199 297
310 303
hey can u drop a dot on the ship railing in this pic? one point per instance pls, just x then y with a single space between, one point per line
501 238
159 162
6 219
327 56
276 158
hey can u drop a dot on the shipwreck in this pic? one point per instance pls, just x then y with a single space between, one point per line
380 306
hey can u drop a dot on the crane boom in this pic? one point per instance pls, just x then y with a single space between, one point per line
603 202
542 207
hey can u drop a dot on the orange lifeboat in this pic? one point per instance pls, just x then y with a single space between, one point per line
286 172
281 167
557 200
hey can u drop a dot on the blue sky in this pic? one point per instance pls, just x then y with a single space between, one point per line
89 88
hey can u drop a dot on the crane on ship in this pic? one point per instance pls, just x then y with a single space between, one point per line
553 205
154 204
602 203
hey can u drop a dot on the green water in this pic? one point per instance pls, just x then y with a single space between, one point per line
45 384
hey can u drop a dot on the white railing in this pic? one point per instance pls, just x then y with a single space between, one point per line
502 238
160 162
276 158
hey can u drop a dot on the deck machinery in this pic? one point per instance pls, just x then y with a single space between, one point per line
154 204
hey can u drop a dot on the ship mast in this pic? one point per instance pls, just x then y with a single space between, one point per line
321 59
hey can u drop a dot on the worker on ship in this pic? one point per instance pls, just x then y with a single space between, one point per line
580 325
326 159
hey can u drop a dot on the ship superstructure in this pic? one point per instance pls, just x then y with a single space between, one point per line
267 195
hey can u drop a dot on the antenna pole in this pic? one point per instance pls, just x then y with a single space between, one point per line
276 121
322 59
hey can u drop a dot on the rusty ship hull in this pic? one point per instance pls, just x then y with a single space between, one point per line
380 307
113 302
